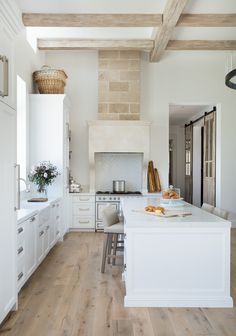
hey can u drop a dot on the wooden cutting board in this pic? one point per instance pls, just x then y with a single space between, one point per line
39 199
168 213
157 178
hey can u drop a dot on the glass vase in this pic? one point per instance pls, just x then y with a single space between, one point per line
42 191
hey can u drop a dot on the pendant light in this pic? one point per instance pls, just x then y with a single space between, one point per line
230 78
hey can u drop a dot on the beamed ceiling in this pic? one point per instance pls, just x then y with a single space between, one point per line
151 25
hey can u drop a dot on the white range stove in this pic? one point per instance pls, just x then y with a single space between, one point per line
102 199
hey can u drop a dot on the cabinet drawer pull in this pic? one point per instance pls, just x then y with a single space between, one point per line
84 222
20 230
20 275
20 250
87 209
58 232
32 219
41 233
57 217
84 199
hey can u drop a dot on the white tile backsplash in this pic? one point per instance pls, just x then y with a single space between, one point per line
118 166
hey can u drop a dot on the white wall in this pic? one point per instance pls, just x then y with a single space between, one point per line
190 77
26 62
177 135
82 88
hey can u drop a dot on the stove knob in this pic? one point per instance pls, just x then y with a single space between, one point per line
118 198
104 198
110 198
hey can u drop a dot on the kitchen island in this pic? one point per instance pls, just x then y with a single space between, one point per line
177 261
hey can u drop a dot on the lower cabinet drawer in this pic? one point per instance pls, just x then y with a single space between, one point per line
83 198
20 272
20 234
83 222
83 209
20 250
58 224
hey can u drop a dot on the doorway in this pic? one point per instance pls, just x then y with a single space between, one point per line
192 149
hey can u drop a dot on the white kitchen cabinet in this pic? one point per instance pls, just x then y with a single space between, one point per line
8 293
40 243
52 232
47 238
36 235
55 222
49 140
58 221
7 92
10 25
21 254
26 250
83 212
43 235
31 231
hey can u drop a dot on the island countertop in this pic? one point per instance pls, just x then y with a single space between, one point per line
177 261
134 218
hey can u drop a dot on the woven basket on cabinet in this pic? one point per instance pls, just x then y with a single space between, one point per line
50 80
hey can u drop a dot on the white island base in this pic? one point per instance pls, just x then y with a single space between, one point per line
176 262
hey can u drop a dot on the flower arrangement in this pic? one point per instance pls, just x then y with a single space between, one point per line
43 174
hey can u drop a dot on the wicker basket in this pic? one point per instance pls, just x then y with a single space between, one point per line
50 80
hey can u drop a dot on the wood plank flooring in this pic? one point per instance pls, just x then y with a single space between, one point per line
68 296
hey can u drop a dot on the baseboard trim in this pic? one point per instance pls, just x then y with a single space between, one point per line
226 302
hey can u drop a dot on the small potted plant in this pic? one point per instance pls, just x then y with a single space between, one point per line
43 174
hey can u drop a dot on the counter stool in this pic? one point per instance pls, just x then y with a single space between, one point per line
207 207
113 229
221 213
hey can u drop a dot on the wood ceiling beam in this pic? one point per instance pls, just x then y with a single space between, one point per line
129 44
171 16
207 20
91 20
95 44
125 20
201 45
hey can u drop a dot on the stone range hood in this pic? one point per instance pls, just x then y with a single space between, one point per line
106 136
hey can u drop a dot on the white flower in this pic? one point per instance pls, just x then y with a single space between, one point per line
45 175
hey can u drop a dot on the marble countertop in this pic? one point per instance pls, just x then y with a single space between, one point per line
29 209
199 217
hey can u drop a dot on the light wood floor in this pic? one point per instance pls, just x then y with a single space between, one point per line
69 296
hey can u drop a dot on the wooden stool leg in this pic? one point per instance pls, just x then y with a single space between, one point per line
109 248
114 248
104 253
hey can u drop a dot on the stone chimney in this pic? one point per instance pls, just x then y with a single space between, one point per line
119 85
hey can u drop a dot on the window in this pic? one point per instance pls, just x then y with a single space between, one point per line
187 157
21 128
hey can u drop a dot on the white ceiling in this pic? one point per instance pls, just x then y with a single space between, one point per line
182 114
127 6
123 6
92 6
92 33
